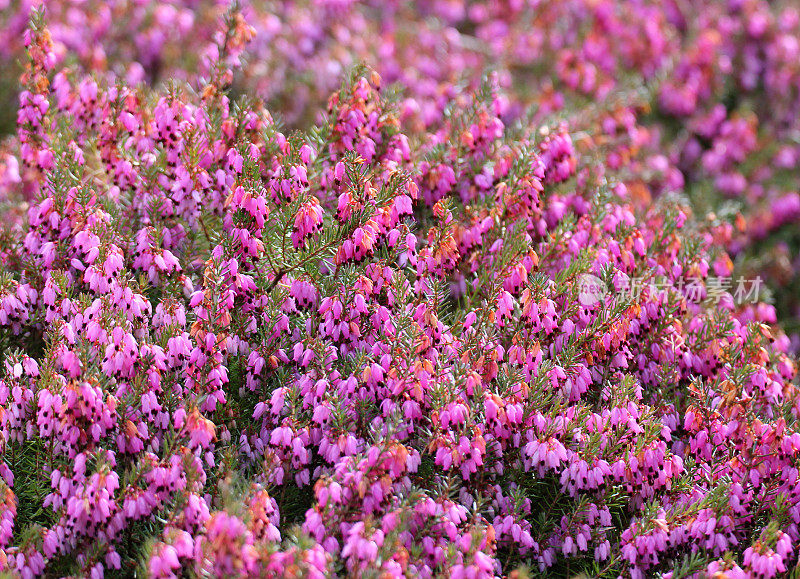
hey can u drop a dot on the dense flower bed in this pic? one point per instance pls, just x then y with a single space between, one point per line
232 348
721 81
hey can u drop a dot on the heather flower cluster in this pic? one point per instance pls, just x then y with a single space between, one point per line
267 312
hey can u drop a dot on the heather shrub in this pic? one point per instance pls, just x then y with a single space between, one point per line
368 347
711 88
